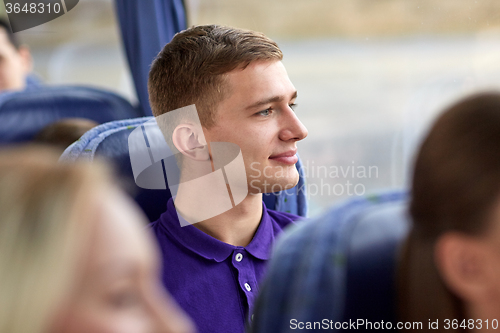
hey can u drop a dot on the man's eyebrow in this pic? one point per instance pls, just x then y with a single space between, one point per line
269 100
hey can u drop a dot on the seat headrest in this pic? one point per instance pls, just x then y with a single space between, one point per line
24 113
374 239
115 150
339 266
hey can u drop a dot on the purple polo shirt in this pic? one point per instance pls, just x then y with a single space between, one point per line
214 282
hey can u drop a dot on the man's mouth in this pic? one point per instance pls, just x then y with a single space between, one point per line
289 157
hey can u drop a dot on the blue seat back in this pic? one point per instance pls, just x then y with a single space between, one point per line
24 113
110 141
340 266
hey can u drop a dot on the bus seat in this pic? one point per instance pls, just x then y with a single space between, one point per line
110 140
33 82
24 113
340 266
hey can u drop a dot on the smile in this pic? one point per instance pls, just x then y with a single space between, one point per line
288 157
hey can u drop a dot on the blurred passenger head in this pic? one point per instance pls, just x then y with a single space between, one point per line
74 254
451 264
15 60
63 133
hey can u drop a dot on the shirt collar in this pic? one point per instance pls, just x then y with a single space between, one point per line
260 246
208 247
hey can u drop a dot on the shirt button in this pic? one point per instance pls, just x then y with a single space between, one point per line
247 287
239 257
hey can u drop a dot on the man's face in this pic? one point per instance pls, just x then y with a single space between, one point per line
258 117
15 64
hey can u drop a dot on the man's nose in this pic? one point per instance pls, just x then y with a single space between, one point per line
291 127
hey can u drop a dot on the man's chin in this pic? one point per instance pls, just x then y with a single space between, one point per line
271 186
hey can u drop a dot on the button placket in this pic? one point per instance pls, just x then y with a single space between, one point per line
239 257
246 275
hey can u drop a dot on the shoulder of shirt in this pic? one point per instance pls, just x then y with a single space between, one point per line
153 225
156 224
283 219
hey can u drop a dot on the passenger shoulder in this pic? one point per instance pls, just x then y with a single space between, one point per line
283 219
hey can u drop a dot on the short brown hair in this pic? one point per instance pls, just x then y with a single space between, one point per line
189 70
63 133
456 184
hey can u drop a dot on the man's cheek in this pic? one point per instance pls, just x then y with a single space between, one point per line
254 171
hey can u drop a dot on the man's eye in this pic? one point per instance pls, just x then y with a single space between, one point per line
265 112
292 106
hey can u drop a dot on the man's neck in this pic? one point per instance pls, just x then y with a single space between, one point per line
201 197
235 226
238 225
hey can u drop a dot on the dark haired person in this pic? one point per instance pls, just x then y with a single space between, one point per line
61 134
450 269
15 60
243 95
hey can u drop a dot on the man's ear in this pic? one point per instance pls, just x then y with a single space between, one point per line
27 60
462 263
190 141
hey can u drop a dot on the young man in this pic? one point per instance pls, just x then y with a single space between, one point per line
15 60
243 96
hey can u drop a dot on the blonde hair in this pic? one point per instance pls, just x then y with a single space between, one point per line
44 221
